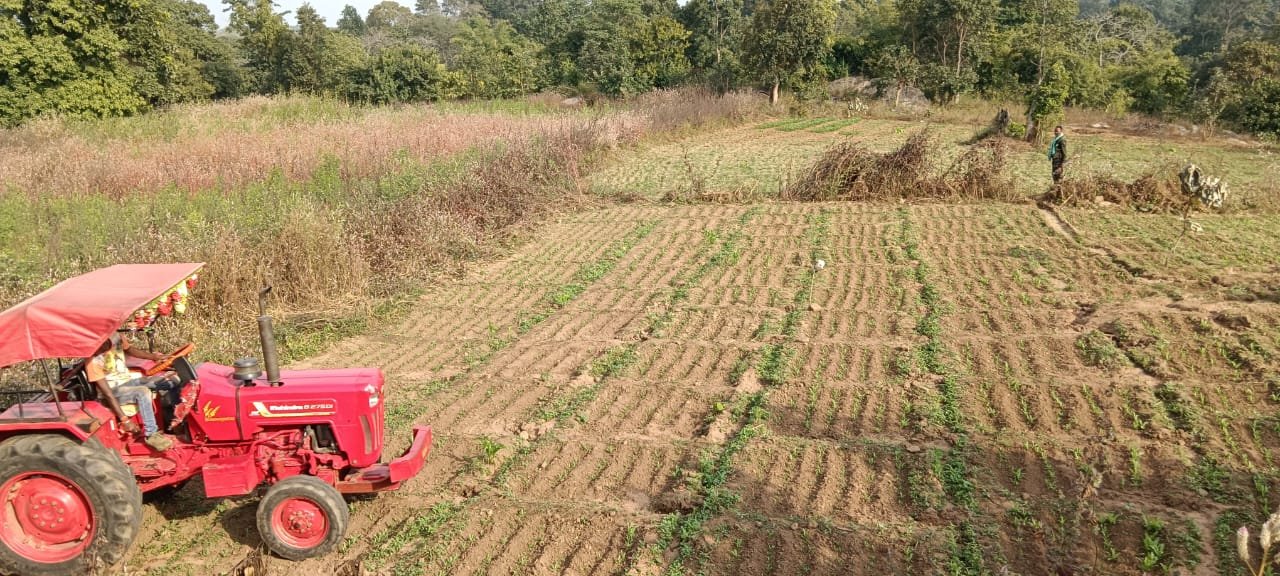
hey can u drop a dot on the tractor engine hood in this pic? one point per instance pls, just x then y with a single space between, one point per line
347 400
339 380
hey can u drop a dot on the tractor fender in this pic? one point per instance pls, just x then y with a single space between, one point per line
78 422
13 430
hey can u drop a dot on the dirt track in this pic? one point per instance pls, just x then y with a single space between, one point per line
929 403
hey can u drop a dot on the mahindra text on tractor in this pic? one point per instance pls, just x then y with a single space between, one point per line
72 477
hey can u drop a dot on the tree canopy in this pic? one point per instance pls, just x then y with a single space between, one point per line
1206 60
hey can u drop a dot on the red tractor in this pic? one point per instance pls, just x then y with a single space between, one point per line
71 479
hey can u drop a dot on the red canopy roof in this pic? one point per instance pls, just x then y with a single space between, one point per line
74 317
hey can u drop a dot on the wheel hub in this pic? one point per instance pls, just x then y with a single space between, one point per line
300 523
45 517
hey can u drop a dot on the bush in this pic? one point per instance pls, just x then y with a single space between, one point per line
401 72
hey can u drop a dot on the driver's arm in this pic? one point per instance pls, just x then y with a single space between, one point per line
129 350
93 372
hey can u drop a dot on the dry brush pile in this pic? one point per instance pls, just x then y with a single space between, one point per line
1155 191
849 171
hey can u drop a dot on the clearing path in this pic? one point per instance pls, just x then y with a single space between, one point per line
653 389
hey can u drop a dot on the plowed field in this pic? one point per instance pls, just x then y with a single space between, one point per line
957 389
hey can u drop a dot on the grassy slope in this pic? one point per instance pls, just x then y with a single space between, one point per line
344 209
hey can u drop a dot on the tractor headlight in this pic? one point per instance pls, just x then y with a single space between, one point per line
373 395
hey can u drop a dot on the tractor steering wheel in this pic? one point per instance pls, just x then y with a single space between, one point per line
168 361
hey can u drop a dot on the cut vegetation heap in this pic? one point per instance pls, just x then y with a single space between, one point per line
848 171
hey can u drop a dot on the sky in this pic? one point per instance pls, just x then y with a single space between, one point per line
330 10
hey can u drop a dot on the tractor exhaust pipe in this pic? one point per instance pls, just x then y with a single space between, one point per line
268 336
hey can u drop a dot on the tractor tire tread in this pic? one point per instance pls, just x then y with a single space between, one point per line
104 478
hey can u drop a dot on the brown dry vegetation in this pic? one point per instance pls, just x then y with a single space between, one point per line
345 210
228 146
848 171
1158 190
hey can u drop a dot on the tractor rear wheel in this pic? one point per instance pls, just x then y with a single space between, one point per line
65 507
302 517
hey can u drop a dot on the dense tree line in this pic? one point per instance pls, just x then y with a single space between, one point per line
1216 61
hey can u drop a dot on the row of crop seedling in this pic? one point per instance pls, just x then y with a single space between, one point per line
611 363
446 516
726 249
408 406
681 530
931 353
1204 410
1160 550
951 468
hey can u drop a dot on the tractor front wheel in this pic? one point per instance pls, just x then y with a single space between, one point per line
302 517
65 507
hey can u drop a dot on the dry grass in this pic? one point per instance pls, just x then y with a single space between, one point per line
337 250
230 145
847 171
1155 191
671 110
344 210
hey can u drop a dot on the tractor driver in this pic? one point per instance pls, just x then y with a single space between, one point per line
107 369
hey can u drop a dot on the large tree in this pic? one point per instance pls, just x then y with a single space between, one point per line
626 51
898 68
1215 24
350 21
387 15
1245 90
787 40
67 57
400 72
494 61
949 32
1138 54
163 40
320 59
1044 39
265 40
715 40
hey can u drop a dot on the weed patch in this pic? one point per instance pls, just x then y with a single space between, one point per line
421 529
1097 349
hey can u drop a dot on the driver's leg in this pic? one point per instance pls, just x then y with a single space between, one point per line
141 395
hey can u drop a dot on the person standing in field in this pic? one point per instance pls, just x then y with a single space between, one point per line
1058 154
